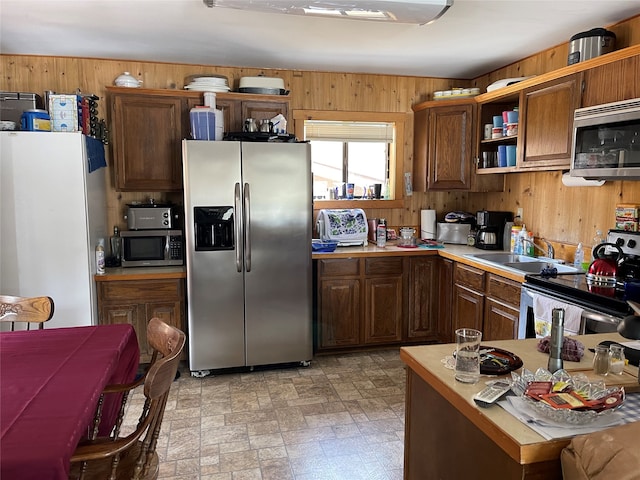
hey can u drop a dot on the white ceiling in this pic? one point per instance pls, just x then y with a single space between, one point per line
472 38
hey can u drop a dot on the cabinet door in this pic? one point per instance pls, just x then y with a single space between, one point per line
500 321
449 148
445 300
340 313
147 135
468 308
265 110
423 312
547 123
383 309
168 312
132 314
613 82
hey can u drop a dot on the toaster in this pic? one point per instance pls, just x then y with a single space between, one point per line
346 226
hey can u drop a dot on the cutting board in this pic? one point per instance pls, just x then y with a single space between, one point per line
627 379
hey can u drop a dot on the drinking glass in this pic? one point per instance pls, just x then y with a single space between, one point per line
467 368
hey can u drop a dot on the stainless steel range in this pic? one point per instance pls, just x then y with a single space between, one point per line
603 307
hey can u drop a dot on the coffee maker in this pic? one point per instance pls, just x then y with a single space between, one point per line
490 229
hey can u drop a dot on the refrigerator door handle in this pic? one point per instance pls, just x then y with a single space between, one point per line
247 228
238 227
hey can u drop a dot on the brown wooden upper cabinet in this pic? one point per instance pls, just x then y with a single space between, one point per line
546 123
443 140
148 126
146 132
612 82
444 148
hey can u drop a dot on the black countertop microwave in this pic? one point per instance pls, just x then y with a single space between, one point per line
606 141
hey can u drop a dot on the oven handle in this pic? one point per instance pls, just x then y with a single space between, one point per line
586 314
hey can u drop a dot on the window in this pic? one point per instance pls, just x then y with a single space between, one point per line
352 148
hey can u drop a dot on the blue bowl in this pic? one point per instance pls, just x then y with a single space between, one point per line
318 245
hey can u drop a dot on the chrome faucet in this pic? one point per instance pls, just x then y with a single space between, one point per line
550 252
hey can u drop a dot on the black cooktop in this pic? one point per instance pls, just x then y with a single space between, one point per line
574 287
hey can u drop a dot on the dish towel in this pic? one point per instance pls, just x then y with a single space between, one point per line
542 308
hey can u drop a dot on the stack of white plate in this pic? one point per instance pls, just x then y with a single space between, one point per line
208 84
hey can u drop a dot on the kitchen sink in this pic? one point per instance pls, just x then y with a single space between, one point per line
521 263
501 257
536 267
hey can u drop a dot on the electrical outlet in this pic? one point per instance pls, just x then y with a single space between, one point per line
519 212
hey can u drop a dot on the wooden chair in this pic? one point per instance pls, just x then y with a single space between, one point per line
134 456
27 310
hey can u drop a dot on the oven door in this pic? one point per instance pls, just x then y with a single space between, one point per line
592 321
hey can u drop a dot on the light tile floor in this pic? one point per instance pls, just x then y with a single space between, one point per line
340 418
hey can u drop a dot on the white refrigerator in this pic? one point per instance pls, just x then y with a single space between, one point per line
52 213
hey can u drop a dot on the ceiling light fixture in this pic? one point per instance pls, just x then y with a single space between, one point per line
419 12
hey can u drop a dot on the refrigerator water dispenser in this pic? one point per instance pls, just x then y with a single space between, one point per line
213 228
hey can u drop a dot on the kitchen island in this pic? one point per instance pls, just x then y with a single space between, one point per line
447 436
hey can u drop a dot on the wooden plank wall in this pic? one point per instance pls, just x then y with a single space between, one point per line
551 210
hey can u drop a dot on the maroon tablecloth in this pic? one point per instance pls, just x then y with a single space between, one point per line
50 382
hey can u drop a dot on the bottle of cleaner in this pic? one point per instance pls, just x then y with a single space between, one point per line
578 257
100 257
530 250
381 233
521 244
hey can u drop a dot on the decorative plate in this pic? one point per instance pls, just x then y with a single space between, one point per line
580 384
495 361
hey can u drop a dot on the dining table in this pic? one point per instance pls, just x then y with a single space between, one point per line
50 384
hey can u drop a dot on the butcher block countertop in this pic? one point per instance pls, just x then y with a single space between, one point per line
450 251
141 273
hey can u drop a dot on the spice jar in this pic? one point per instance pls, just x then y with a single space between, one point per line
616 359
601 360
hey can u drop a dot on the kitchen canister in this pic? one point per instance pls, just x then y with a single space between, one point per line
502 155
511 155
203 123
35 120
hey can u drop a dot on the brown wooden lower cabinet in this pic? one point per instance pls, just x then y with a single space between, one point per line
137 301
376 301
360 302
424 298
486 302
502 308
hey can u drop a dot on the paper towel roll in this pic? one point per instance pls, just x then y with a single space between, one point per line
427 224
569 181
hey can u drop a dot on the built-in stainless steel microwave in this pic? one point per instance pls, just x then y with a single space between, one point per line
606 141
152 248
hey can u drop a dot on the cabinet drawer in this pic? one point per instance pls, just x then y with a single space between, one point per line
469 276
503 289
137 291
339 267
383 266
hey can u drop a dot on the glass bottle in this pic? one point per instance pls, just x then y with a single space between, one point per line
616 359
115 246
381 233
601 360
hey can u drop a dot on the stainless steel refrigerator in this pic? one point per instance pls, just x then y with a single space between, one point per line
248 216
53 209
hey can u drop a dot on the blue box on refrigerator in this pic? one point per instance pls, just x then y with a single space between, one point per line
203 123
